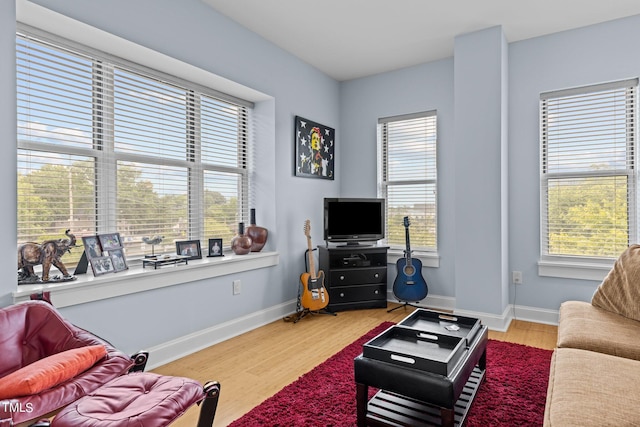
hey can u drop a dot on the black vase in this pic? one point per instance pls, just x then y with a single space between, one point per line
257 234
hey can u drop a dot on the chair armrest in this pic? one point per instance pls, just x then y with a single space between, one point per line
139 361
210 404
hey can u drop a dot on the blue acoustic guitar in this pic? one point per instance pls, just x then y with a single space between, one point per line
409 284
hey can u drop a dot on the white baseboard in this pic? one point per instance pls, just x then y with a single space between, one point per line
175 349
435 302
495 322
536 315
501 322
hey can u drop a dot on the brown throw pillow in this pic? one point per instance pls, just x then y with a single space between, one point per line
619 292
50 371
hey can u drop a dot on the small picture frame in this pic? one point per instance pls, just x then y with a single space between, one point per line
118 259
105 254
102 265
215 248
190 248
92 247
110 241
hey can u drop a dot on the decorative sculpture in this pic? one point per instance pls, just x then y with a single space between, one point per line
153 241
47 253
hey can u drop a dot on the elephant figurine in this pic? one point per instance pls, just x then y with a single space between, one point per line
47 253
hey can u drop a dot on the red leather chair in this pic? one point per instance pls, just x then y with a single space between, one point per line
33 330
114 392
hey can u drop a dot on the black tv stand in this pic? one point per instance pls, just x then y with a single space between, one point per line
355 276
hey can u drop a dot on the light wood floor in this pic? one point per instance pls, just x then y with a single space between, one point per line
257 364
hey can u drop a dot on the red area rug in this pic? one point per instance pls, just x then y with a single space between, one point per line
513 394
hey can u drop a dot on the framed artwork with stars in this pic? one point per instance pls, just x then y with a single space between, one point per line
315 147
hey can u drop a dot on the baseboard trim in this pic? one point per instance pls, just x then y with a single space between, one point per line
495 322
536 315
175 349
434 302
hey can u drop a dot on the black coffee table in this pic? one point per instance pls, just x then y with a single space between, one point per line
427 369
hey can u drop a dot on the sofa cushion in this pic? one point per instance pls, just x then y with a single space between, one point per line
50 371
619 292
590 389
587 327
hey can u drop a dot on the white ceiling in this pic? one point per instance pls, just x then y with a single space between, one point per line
348 39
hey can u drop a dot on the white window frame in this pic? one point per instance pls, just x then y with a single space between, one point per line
576 266
428 255
106 158
88 288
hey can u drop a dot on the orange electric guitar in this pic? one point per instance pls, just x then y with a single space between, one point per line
314 295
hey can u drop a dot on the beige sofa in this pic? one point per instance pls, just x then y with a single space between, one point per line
594 378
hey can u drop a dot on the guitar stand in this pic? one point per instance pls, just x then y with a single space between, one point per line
403 305
295 318
303 312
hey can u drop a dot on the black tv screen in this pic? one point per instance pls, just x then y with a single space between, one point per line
353 220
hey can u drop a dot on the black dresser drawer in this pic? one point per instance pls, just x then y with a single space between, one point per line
355 278
357 293
358 276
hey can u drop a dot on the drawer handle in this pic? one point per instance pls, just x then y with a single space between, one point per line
341 277
376 275
341 294
403 359
428 336
376 292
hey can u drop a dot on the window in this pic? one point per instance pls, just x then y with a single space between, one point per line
408 178
105 145
588 170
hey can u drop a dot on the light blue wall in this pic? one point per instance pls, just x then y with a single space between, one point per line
194 33
588 55
420 88
480 222
8 158
584 56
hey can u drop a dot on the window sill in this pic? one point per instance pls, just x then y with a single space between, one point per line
428 259
577 269
137 279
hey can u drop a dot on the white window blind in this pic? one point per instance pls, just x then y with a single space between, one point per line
107 146
588 170
408 178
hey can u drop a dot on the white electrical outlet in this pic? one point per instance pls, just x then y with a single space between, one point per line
517 277
237 284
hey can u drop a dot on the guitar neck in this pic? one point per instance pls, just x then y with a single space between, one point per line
312 266
408 251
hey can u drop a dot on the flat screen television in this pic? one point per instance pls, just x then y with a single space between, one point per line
353 221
